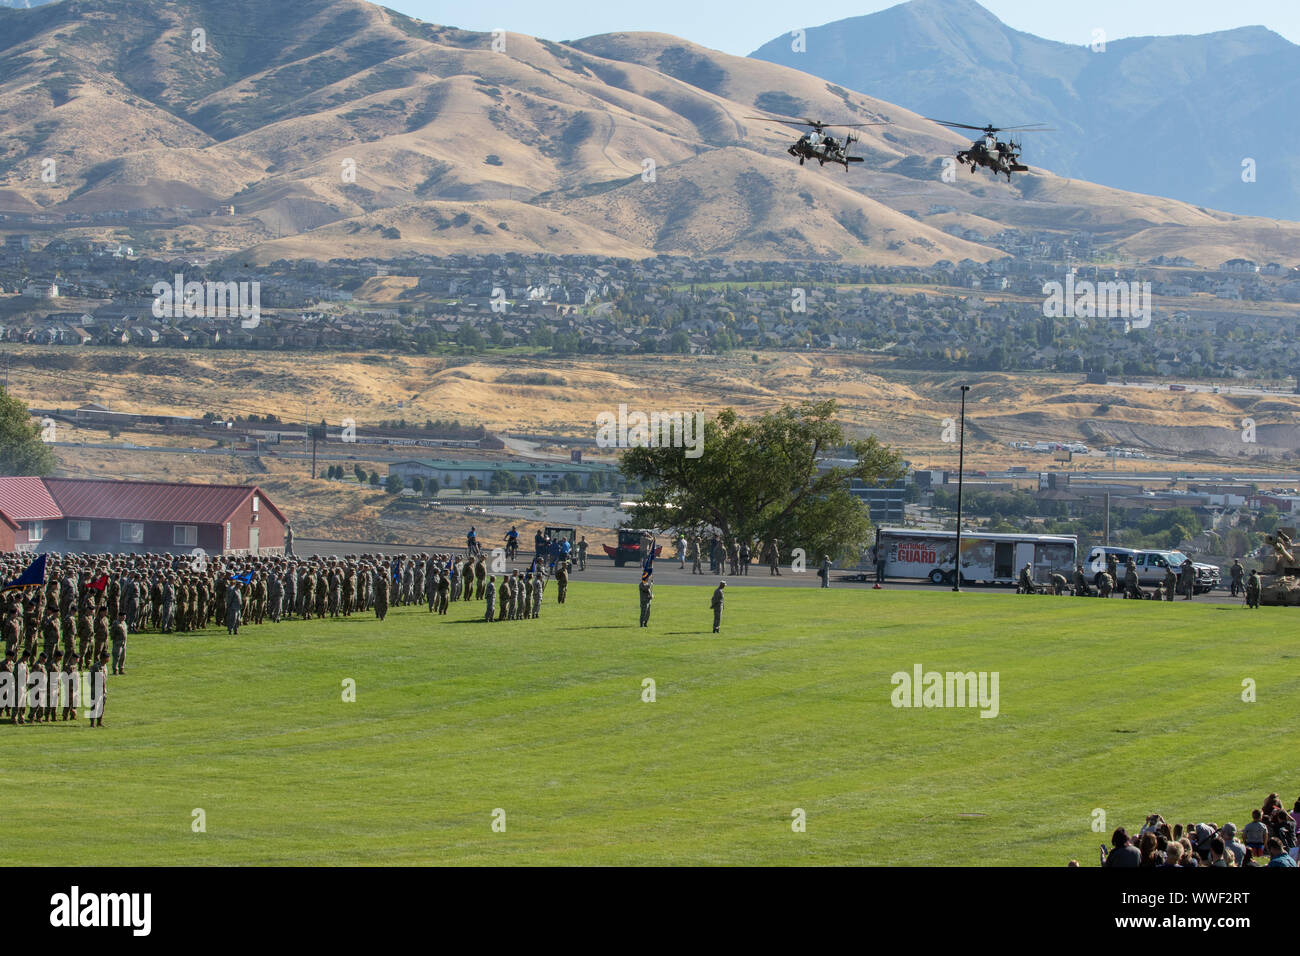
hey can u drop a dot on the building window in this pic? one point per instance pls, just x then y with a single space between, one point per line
185 535
132 532
254 504
78 530
35 530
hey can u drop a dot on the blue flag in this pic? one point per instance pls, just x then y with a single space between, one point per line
244 578
648 565
33 577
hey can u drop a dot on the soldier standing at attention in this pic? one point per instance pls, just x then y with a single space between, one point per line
1253 588
68 626
538 584
70 680
503 595
824 572
39 694
1238 573
102 628
582 554
118 635
744 557
480 576
774 555
693 552
51 631
85 632
647 594
716 603
1189 580
54 687
490 598
1171 581
21 675
234 606
381 592
444 591
99 690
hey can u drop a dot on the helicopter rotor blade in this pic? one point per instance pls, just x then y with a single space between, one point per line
978 129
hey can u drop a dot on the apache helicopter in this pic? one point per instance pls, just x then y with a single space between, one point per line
990 151
819 145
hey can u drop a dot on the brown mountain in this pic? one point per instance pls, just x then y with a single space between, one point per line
343 128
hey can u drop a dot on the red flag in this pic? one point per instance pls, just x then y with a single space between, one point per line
99 583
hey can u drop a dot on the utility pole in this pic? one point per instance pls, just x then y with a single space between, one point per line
961 462
1108 519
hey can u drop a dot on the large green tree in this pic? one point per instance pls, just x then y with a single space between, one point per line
22 453
758 479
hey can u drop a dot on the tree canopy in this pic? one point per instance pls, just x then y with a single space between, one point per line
764 478
22 453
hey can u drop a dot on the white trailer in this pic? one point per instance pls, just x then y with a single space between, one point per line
986 558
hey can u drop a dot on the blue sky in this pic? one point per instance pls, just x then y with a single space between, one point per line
741 27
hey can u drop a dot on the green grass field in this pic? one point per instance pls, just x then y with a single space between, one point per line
1124 706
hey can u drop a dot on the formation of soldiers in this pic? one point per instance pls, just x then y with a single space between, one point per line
89 604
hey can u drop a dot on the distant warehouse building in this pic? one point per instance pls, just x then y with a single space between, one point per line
453 474
97 515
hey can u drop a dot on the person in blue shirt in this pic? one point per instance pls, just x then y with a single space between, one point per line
471 541
1278 855
512 542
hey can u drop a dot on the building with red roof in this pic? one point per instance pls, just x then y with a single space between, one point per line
99 515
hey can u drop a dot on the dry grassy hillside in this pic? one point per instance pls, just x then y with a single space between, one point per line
337 127
564 397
